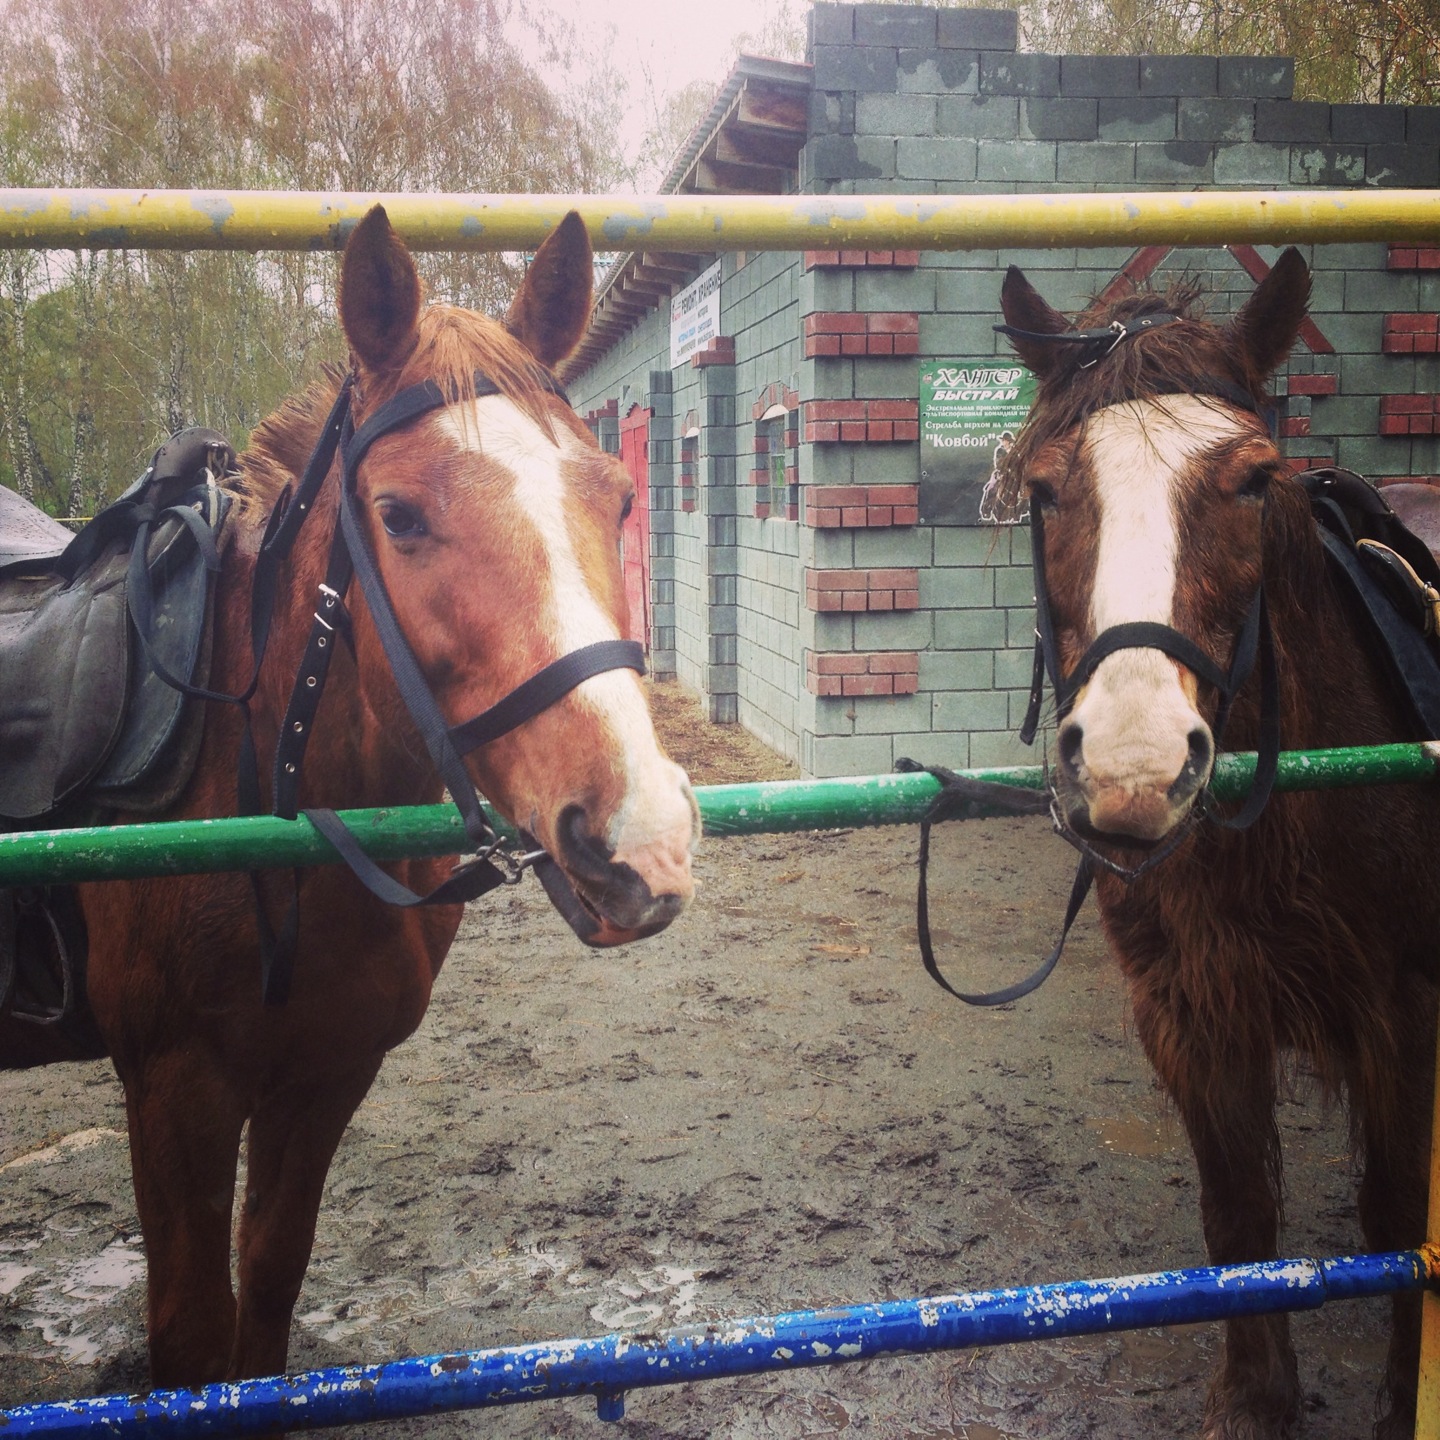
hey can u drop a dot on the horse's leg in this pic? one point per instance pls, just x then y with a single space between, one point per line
185 1122
1391 1105
293 1135
1226 1097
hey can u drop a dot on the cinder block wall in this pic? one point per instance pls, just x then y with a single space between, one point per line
853 634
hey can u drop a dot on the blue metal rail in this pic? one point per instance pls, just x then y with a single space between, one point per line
608 1366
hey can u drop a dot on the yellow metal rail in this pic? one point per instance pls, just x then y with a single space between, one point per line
309 220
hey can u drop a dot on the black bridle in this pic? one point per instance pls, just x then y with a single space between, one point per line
350 558
1254 641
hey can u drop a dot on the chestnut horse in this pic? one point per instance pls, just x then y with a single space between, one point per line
494 524
1163 503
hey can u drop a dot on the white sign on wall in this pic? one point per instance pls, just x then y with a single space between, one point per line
695 316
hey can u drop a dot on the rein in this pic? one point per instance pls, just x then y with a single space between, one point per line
1255 640
350 558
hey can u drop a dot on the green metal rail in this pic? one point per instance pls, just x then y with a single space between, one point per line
115 852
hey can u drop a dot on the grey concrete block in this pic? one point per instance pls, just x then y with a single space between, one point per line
893 549
1095 162
1013 668
972 710
935 748
1220 118
1252 164
1292 121
1015 587
1258 76
978 29
1327 165
979 118
1346 414
897 25
1188 162
956 670
1381 290
1072 119
935 159
1367 124
956 336
970 630
939 72
1137 118
1179 75
1013 160
961 545
895 114
967 587
1095 75
879 289
889 714
841 157
834 755
1410 166
1355 255
1371 455
832 112
1422 124
1028 74
831 24
997 748
855 67
897 630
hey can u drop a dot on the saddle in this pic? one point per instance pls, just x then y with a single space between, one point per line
1393 575
96 629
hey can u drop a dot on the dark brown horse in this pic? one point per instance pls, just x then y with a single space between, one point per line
494 524
1164 503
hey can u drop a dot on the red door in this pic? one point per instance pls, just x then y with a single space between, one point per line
635 534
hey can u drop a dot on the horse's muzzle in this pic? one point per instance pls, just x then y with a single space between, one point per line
616 903
1134 804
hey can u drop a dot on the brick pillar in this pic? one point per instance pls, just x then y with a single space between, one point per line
664 464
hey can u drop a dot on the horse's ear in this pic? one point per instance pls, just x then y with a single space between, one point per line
1266 325
379 294
1025 309
552 307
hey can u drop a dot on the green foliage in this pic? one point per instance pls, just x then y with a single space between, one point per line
102 354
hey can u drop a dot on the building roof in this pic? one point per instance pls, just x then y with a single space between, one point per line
748 144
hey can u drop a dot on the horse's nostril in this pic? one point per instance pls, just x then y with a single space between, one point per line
1202 751
588 858
1071 747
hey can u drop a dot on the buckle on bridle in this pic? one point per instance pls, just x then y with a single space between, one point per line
1118 332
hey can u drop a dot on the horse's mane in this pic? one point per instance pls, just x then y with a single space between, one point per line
453 345
1165 361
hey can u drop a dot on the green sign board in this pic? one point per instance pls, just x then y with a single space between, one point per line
969 413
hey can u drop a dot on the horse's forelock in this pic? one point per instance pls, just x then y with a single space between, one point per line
1166 361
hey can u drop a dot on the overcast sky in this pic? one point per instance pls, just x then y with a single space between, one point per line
676 41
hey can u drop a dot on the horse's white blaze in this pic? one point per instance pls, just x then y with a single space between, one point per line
1136 714
657 810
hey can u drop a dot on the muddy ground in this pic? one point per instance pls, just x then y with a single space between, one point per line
769 1107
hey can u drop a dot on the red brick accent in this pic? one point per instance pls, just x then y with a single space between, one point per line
861 259
1296 463
1295 425
1414 257
720 351
1416 334
828 590
1313 384
863 421
1383 480
1410 414
851 332
775 394
875 672
834 507
608 411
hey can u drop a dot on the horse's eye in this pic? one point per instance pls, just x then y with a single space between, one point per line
1257 482
1042 495
401 521
626 508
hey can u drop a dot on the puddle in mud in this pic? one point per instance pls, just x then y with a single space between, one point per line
1143 1136
74 1311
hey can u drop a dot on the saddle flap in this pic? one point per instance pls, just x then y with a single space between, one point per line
64 670
27 534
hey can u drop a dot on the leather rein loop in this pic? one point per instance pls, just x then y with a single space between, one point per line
1254 641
